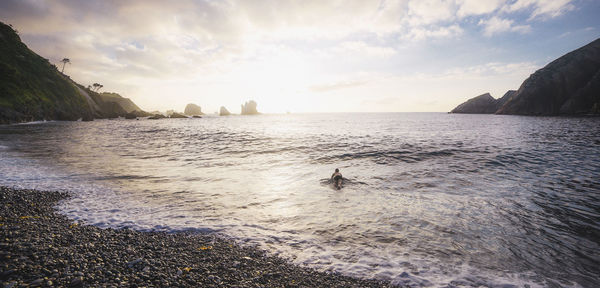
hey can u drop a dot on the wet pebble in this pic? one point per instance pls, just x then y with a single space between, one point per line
42 248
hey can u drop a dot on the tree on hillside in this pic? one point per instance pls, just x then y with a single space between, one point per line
65 61
96 87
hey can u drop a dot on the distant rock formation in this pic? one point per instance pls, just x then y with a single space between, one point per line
125 103
224 112
569 85
112 105
483 104
157 116
177 115
249 108
192 109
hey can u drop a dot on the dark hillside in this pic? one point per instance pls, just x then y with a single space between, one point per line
31 88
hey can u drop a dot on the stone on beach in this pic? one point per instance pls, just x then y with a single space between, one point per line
37 243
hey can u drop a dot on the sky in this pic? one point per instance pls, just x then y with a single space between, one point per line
304 56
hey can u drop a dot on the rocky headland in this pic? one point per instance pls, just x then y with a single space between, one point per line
40 248
483 104
569 85
32 89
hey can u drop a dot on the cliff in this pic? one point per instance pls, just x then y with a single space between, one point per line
31 88
569 85
192 109
483 104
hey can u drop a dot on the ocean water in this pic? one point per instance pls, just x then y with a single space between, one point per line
429 199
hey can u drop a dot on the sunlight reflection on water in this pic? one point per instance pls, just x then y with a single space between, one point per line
430 198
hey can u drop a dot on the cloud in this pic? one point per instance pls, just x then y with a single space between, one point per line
337 85
541 8
477 7
434 32
353 48
424 12
497 25
492 69
227 49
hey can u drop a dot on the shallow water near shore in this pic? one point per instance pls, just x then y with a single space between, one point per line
430 198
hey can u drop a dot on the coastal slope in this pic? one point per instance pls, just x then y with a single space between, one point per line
31 89
569 85
483 104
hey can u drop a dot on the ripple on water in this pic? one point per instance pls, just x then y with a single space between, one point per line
428 199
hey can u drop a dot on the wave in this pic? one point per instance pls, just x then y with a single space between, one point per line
392 156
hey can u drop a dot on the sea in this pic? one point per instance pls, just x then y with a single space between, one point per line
428 199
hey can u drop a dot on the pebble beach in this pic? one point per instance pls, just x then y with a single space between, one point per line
41 248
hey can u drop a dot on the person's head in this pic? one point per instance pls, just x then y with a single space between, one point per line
337 170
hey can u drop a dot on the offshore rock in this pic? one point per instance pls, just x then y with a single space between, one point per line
224 112
249 108
177 115
192 109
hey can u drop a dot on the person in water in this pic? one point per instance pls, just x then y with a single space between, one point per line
337 179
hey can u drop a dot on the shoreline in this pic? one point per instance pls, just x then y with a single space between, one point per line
41 248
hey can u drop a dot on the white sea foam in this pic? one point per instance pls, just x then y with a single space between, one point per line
419 210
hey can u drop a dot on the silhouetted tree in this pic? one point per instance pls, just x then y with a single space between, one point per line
96 87
64 61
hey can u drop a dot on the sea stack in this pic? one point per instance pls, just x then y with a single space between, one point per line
249 108
224 112
192 110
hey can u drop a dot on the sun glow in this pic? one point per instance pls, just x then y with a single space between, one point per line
277 83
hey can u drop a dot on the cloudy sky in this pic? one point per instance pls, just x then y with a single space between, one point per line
304 56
